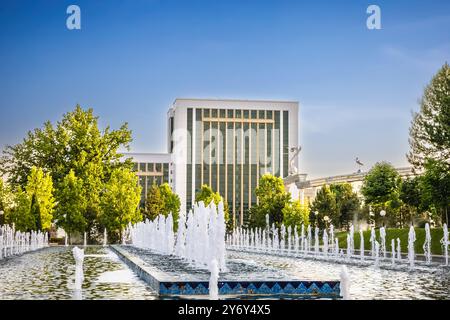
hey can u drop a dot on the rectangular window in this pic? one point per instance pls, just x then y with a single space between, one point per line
276 149
262 114
285 142
142 167
189 155
206 152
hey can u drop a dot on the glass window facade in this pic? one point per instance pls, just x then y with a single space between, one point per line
150 173
232 149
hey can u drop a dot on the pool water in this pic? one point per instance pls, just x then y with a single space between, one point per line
49 274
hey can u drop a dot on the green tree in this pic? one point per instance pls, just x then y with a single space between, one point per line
120 202
207 195
324 204
154 203
272 198
171 202
73 143
21 214
411 196
429 134
40 191
347 203
296 214
72 205
381 188
6 200
435 184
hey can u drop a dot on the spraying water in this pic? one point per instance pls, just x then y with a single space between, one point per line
105 238
78 255
377 253
361 244
399 251
392 252
445 243
411 240
213 280
316 241
383 241
427 244
345 283
85 240
372 241
325 242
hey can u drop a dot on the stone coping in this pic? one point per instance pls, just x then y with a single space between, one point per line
162 284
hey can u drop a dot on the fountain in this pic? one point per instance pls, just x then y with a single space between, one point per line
331 234
372 241
325 243
65 239
411 240
383 241
78 255
336 247
427 244
199 240
392 252
350 242
85 240
316 241
308 239
361 244
399 251
377 253
345 283
213 287
14 242
445 243
105 238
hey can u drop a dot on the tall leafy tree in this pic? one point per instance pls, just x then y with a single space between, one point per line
20 215
171 202
347 203
71 207
40 190
381 185
324 204
154 203
429 134
162 200
435 184
272 198
6 200
411 196
120 202
73 143
296 214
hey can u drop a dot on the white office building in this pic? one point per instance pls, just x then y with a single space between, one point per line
228 145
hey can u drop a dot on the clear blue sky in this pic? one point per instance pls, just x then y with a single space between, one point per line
131 59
